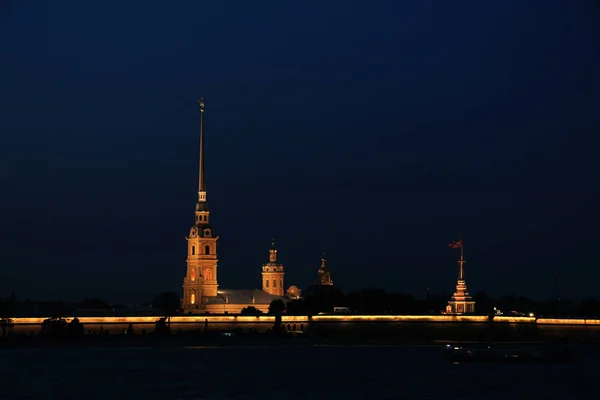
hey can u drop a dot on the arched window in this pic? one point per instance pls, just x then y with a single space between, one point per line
207 274
193 298
274 283
193 250
193 274
206 249
266 283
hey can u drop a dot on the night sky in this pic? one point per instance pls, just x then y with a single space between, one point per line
377 131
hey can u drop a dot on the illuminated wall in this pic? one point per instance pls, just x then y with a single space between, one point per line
450 327
199 319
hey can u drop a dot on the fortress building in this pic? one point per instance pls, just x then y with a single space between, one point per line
201 293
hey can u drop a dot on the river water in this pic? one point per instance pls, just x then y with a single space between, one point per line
295 372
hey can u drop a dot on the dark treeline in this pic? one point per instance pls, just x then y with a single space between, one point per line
61 325
323 300
376 301
11 307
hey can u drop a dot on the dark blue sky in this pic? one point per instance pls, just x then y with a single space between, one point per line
377 131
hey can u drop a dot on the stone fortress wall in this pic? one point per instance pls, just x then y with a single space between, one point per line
446 327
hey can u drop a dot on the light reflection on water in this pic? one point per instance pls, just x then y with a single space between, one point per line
293 372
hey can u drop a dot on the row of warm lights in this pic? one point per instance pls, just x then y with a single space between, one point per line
270 318
321 318
499 312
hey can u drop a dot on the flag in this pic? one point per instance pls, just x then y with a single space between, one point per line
456 245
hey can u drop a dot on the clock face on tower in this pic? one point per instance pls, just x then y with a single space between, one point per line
193 232
207 233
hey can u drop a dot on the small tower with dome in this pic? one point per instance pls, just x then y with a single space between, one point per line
273 274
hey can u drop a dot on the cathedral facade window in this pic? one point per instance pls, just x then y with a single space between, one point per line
207 274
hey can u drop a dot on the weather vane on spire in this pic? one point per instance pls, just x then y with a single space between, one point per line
201 103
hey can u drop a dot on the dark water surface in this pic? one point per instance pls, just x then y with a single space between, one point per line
295 372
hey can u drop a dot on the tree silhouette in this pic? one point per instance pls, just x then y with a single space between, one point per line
75 329
483 303
322 298
57 309
5 324
169 303
589 307
295 307
277 306
54 327
251 310
7 309
161 328
94 304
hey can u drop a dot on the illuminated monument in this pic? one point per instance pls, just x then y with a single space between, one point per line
460 302
323 275
201 278
201 291
272 274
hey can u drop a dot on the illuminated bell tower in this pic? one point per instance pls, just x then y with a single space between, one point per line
323 275
272 274
201 277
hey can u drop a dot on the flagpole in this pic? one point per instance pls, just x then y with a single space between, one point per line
462 258
462 255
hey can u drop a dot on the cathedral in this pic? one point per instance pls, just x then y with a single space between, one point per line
201 292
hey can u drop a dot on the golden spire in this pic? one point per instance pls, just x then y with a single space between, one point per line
201 181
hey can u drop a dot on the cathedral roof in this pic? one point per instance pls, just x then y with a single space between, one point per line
243 297
202 206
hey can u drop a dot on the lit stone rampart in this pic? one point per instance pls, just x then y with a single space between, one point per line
233 319
197 319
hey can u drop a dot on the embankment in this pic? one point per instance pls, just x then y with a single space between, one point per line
392 328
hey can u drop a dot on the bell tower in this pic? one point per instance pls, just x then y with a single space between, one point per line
201 277
272 274
323 275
